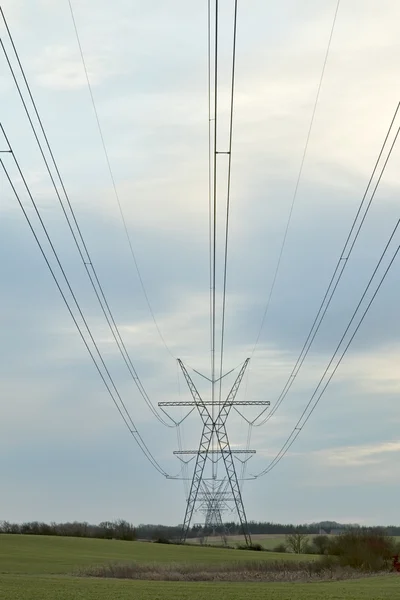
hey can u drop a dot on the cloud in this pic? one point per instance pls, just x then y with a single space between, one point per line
148 66
58 67
374 373
359 456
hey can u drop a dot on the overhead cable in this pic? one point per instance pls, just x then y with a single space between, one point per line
210 187
299 176
341 264
83 252
109 381
228 197
314 400
214 205
114 185
292 205
214 232
339 269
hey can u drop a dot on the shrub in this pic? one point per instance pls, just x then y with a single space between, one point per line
249 570
321 544
256 547
309 549
162 540
363 549
280 548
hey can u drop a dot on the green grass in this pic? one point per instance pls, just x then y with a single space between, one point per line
268 541
40 568
56 555
68 588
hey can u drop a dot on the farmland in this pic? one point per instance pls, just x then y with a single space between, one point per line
43 568
57 555
68 588
268 541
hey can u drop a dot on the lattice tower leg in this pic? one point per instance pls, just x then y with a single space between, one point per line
204 447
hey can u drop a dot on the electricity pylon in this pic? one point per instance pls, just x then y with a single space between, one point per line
213 502
214 427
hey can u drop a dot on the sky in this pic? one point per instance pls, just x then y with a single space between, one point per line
65 452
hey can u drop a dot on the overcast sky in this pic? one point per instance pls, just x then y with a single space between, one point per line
64 450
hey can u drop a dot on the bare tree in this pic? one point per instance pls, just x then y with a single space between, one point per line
296 542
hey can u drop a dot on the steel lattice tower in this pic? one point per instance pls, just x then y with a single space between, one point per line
212 503
214 498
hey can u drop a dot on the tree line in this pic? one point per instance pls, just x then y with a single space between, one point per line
117 530
123 530
361 548
266 527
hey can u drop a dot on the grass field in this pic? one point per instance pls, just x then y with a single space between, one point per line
68 588
56 555
41 568
268 541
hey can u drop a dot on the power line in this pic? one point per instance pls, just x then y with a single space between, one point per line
294 198
335 279
296 189
209 170
127 419
85 256
114 185
334 282
299 425
338 272
244 464
214 220
210 204
228 197
214 198
181 440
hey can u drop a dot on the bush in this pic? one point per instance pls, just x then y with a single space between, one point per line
280 548
329 564
321 544
363 549
249 570
256 547
162 540
309 549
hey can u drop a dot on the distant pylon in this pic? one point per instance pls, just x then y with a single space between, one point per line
214 427
216 502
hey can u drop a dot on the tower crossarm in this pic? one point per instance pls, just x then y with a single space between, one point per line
209 403
218 451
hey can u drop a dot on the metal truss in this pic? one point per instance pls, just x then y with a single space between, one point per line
215 505
214 451
205 494
209 403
